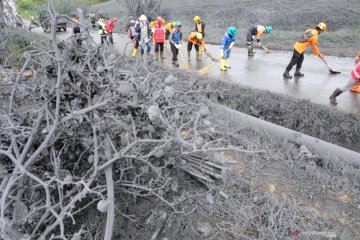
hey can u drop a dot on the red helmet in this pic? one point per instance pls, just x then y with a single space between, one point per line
159 19
115 19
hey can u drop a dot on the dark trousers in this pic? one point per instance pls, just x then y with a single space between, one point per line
190 45
110 36
103 39
174 51
297 59
159 46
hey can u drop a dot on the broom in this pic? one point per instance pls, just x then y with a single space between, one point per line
206 69
184 64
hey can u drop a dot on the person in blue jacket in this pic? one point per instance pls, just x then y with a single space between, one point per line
227 43
175 42
143 36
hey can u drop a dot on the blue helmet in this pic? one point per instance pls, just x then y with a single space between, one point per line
232 31
268 29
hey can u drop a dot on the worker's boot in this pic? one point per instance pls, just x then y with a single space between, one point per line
222 63
189 56
176 63
198 56
336 93
298 73
162 55
227 65
287 74
134 52
156 56
250 51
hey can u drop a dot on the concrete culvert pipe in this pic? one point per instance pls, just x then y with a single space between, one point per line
316 145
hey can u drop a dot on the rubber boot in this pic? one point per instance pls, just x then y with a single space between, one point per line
336 93
176 63
222 63
156 56
165 43
134 52
162 55
298 73
200 50
198 56
227 65
287 74
189 56
250 51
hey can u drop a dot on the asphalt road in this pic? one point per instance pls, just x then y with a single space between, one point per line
264 71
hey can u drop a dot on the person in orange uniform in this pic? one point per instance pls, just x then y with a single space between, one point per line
200 28
310 37
354 81
168 27
195 39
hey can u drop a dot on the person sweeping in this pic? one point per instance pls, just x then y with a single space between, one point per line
195 39
175 40
255 33
310 37
354 80
227 44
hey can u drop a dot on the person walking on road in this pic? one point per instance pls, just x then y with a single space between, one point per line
92 19
168 29
354 80
76 29
195 39
159 37
310 37
110 28
102 30
130 30
143 37
255 33
200 28
175 40
227 44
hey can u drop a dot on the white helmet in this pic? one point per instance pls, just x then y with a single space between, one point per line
143 18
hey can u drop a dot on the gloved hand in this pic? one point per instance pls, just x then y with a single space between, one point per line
259 43
231 45
178 46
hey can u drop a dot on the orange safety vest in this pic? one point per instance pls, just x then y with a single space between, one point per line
310 37
194 40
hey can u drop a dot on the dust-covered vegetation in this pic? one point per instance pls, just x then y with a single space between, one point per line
97 145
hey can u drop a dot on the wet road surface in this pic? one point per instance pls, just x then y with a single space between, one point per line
264 71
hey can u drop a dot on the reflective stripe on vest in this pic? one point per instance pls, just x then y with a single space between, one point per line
307 35
159 33
356 73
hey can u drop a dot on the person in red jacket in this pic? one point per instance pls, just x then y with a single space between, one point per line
354 80
158 31
110 28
